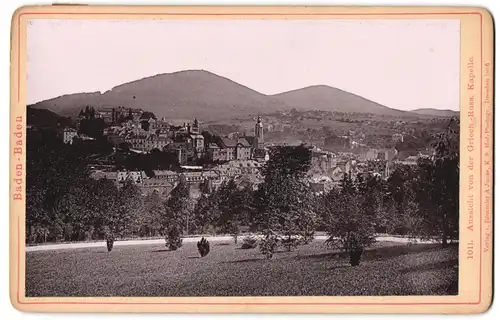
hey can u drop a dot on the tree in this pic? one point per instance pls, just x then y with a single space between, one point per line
437 197
349 226
119 210
438 188
284 211
371 192
150 218
347 184
52 169
423 200
75 211
297 214
401 212
161 160
36 215
293 161
232 208
176 212
92 127
145 125
204 210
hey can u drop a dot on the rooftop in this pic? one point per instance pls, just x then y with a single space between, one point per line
232 143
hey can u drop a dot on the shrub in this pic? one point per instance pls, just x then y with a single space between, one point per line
110 238
249 242
203 247
109 244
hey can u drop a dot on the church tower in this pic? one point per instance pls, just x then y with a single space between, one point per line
195 129
259 133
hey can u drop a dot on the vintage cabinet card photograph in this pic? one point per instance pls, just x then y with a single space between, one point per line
251 159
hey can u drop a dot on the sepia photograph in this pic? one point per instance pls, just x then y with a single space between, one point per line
242 157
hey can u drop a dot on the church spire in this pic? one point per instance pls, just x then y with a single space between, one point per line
259 132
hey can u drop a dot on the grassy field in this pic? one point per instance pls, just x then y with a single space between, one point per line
142 270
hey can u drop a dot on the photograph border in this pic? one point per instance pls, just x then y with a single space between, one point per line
482 51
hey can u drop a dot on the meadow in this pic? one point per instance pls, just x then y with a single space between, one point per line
387 268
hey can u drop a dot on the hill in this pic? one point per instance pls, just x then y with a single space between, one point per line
43 117
436 112
327 98
202 94
184 95
68 104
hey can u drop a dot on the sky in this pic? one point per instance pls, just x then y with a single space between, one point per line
402 64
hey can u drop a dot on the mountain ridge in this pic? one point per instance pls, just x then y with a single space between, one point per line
206 95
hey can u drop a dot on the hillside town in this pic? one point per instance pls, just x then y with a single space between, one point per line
206 161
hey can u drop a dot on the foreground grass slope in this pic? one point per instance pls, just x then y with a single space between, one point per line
311 270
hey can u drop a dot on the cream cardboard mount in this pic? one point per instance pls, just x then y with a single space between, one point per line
120 201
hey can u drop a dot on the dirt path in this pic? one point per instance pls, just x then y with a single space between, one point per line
65 246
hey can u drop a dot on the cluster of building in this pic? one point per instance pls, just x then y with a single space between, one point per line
238 157
328 169
190 144
326 172
144 135
245 172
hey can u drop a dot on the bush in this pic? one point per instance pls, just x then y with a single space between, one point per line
203 247
110 238
109 244
249 242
